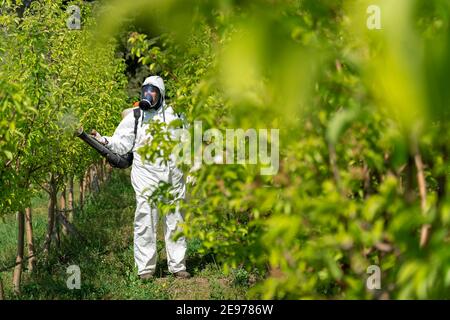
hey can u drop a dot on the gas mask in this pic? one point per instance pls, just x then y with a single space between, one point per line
150 98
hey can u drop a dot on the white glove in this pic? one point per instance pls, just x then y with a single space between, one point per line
97 136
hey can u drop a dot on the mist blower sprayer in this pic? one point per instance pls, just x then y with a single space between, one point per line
151 99
115 160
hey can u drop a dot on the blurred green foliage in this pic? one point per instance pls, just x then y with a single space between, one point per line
53 80
354 107
357 110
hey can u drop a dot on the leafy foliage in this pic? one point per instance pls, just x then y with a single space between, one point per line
53 80
363 118
346 100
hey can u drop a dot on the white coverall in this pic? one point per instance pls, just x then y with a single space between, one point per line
145 178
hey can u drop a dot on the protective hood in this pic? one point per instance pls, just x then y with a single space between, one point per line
157 82
152 94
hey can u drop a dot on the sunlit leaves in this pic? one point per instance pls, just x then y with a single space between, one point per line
53 81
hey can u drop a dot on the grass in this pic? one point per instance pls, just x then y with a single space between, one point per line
105 257
8 237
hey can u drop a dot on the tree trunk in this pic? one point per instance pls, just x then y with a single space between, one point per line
426 228
89 174
20 248
94 179
50 215
87 183
70 200
442 182
2 292
81 188
109 170
409 189
70 227
57 229
103 166
62 207
30 243
100 172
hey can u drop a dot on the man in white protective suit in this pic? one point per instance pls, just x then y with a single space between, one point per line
145 178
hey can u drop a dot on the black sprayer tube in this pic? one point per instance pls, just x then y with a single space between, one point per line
114 159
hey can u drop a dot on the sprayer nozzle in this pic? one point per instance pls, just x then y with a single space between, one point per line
79 131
